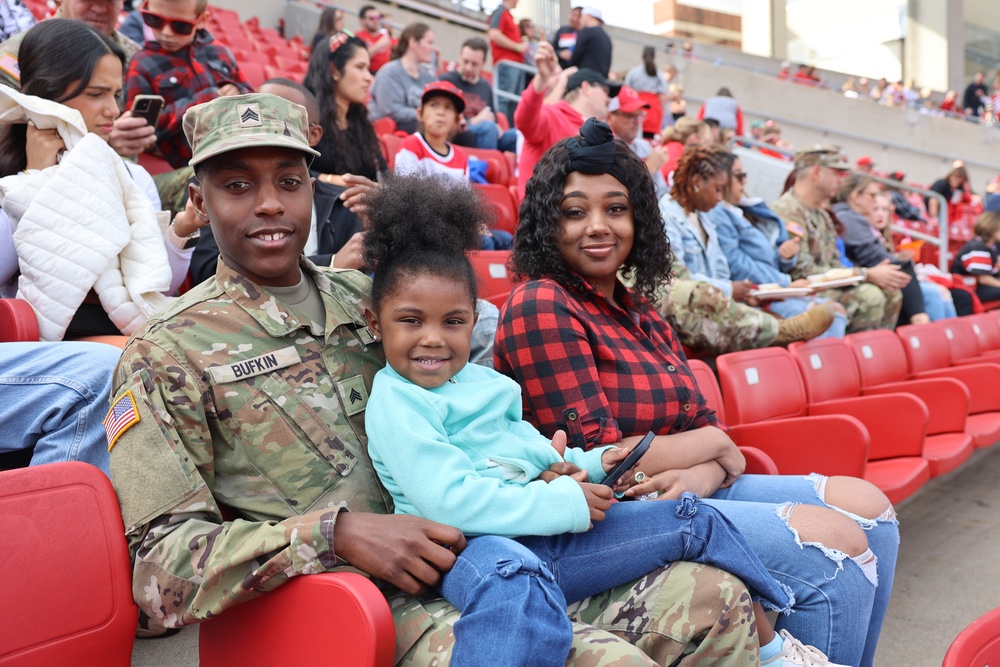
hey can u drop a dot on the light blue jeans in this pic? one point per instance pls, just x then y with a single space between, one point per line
54 398
786 308
936 305
839 604
513 593
485 136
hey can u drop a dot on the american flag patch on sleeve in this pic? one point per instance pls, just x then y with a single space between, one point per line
122 415
8 63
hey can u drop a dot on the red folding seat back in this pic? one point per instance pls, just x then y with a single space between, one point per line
828 369
978 645
961 339
67 591
384 125
708 385
498 198
926 347
879 356
390 146
497 161
494 281
761 384
987 331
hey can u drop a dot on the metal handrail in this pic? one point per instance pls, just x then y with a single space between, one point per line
753 143
503 94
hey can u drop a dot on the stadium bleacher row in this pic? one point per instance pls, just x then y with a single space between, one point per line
895 408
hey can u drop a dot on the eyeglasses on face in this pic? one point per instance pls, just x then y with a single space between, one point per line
179 26
740 176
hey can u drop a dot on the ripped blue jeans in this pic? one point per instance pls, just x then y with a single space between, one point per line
513 593
840 602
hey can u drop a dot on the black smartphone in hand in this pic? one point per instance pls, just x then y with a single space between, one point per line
633 457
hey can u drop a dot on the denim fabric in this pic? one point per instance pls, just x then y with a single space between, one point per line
634 539
790 307
936 305
705 261
484 135
750 254
55 396
511 80
837 609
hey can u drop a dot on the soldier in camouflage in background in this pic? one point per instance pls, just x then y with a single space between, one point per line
875 303
250 393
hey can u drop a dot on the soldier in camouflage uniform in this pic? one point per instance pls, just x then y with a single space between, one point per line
875 303
249 392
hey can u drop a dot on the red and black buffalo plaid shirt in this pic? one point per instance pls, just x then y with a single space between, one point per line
184 78
593 369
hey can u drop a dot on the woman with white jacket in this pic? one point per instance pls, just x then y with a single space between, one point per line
79 236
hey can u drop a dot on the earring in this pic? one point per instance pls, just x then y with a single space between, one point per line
695 188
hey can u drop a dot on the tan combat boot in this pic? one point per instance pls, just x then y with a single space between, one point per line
805 325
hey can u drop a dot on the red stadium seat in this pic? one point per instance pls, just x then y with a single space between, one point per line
494 280
390 146
501 174
254 72
505 211
765 384
331 618
987 329
67 594
963 341
929 355
384 125
830 372
18 322
246 57
154 164
978 645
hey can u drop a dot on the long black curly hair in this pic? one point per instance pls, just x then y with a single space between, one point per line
420 224
536 252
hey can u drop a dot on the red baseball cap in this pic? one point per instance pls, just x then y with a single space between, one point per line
446 88
627 101
865 161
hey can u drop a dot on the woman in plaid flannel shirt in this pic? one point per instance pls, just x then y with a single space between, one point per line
595 359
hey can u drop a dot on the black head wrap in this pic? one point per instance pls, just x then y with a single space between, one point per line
593 151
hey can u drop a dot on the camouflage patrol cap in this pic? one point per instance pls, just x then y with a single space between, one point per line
825 155
229 123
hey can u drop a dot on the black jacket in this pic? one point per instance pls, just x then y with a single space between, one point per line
336 226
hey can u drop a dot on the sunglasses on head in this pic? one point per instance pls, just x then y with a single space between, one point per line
155 21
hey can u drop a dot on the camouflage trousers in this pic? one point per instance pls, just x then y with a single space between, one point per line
684 614
172 186
868 307
707 320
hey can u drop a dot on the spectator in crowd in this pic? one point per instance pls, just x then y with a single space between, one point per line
850 89
399 84
939 302
587 94
900 204
331 21
950 102
335 232
864 164
130 136
723 109
505 38
593 45
594 359
481 127
954 187
682 134
14 18
854 207
565 38
739 223
71 77
133 27
530 32
699 181
873 304
772 135
184 66
678 105
975 95
992 202
378 39
299 512
652 87
427 151
978 257
625 116
339 76
55 397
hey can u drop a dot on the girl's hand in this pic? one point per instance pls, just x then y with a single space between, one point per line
789 248
733 463
599 498
801 282
43 147
611 457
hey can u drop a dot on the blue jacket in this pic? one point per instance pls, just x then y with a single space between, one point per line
706 262
750 254
461 455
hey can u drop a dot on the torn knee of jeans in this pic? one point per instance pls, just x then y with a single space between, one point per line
686 508
868 563
784 513
819 484
508 567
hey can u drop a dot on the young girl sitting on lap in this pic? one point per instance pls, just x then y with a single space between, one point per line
447 440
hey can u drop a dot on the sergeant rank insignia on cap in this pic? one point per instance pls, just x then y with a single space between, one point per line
249 115
121 417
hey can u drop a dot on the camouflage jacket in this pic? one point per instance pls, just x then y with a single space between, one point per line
242 405
819 252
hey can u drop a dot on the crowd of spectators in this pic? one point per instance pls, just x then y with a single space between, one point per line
727 249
